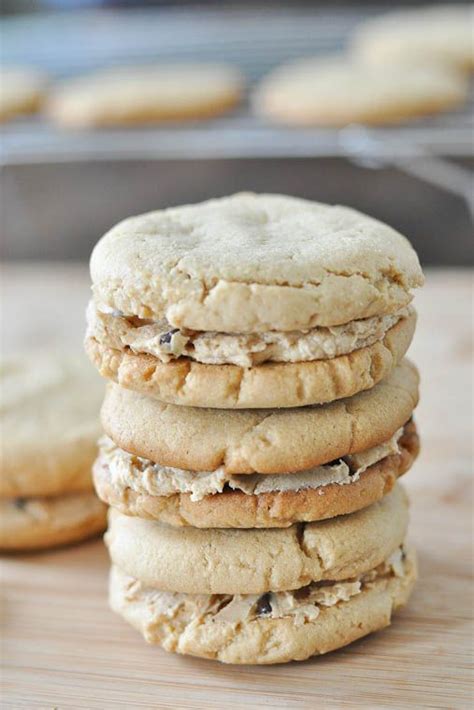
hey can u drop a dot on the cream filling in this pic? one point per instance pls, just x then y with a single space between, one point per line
301 605
166 343
127 471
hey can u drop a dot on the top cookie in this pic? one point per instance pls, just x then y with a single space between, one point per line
49 419
252 263
441 33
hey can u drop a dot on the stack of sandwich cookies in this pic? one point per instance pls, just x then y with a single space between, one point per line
50 424
245 526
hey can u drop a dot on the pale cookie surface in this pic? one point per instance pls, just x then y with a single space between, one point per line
49 418
148 94
21 91
272 384
36 523
251 263
216 561
275 628
259 441
321 493
437 34
338 92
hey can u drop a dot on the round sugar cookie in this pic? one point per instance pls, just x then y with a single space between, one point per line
259 440
341 91
49 418
37 523
250 263
216 561
193 625
147 94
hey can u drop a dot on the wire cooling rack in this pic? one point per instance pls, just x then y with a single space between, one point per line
254 39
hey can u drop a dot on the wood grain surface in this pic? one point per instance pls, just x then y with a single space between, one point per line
62 647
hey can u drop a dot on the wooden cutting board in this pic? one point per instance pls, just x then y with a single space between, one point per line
62 647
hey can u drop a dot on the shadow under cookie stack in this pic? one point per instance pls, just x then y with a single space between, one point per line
258 416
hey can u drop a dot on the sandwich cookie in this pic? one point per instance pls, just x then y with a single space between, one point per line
337 92
22 90
147 94
438 34
262 596
50 425
251 301
215 499
210 468
270 628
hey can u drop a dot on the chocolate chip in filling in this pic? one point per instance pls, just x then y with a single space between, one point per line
20 503
263 606
166 338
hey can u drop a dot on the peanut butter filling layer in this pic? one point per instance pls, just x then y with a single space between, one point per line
127 471
116 330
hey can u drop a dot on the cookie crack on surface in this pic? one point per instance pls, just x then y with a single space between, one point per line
300 386
274 554
379 283
353 424
207 287
260 436
309 553
150 372
230 453
183 382
220 653
299 533
237 386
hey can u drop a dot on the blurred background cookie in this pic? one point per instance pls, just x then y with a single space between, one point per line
333 91
38 523
22 90
50 425
147 94
432 34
